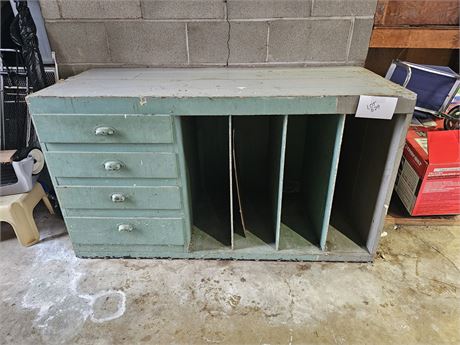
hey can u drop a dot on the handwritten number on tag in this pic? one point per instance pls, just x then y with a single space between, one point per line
376 107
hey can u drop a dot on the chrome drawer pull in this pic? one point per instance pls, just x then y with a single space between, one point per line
113 165
104 131
118 197
125 228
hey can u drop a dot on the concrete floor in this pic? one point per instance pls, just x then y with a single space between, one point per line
410 295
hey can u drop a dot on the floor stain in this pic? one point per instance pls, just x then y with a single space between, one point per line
409 295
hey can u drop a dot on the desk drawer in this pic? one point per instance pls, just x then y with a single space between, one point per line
122 198
104 128
126 231
110 164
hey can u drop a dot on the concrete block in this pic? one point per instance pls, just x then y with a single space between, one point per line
183 9
360 40
243 9
78 42
308 40
329 8
208 42
99 9
248 42
50 9
147 43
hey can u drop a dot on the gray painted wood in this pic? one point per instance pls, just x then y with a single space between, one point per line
81 128
312 151
122 182
108 147
230 174
395 151
200 179
279 190
162 198
371 151
184 181
227 83
207 160
114 212
368 174
96 164
145 231
277 134
258 144
195 91
250 247
332 167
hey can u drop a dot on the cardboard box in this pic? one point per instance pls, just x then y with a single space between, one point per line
428 181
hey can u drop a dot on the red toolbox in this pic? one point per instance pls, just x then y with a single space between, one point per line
428 181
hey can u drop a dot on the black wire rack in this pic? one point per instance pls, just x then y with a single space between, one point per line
14 87
16 125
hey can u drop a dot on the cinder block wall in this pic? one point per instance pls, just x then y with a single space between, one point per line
180 33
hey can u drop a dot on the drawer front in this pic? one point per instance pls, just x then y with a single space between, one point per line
108 164
104 128
126 231
141 198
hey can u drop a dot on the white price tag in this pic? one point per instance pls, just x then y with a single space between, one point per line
375 107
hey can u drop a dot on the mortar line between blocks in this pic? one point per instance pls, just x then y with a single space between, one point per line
107 42
350 37
265 64
191 20
229 31
141 7
268 41
295 64
187 44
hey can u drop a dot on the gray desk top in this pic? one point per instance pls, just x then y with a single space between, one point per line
345 84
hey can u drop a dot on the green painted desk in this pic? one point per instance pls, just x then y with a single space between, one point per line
222 163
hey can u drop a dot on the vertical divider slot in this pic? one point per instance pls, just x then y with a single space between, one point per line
206 150
279 195
367 158
258 151
312 152
230 173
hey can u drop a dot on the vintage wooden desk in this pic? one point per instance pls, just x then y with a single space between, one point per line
159 162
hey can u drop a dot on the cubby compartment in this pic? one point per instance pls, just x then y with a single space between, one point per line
287 186
234 171
207 160
367 159
257 161
311 158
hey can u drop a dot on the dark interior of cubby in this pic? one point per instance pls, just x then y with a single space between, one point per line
363 156
257 145
206 149
310 144
214 146
255 155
